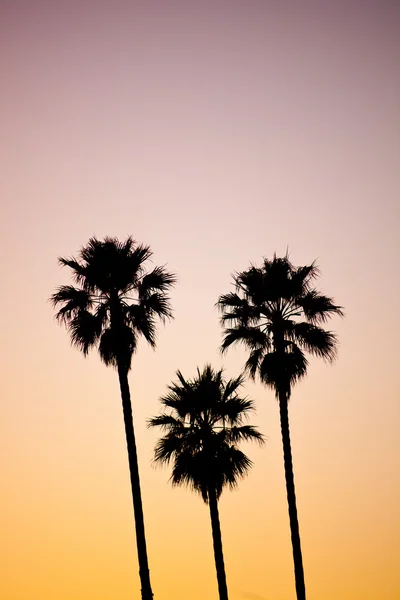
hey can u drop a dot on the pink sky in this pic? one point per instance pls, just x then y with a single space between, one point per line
218 133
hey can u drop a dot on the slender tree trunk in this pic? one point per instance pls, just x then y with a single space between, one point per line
144 572
291 498
217 542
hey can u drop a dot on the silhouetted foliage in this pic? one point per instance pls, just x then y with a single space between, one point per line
115 301
276 313
203 426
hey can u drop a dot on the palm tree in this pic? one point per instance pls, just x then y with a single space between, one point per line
202 430
115 301
277 314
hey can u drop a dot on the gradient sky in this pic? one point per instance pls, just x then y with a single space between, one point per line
218 133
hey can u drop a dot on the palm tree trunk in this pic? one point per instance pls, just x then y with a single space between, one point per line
144 572
217 542
291 498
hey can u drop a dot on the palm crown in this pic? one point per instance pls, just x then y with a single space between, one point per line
203 428
115 299
277 313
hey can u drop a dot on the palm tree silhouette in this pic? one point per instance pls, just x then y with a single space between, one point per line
276 312
202 430
115 301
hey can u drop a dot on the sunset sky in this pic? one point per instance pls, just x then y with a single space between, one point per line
217 132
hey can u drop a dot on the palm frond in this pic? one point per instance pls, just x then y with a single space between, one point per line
107 272
318 308
78 271
167 422
235 409
141 320
166 448
117 345
181 396
267 283
112 264
237 310
232 386
85 330
234 465
74 299
137 255
188 470
127 247
103 313
97 260
252 364
252 337
158 304
301 279
281 370
158 280
88 253
264 315
245 433
202 431
278 274
252 285
230 300
316 340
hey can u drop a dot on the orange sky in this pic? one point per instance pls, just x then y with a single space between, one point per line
217 132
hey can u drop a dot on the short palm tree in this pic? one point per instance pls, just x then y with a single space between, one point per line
203 427
277 314
114 302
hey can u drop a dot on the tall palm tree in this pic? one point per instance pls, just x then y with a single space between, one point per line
203 427
115 301
277 314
